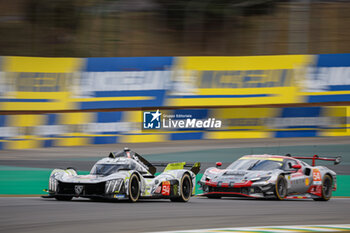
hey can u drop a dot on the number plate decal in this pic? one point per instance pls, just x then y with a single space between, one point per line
166 188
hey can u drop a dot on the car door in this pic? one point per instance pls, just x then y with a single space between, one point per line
298 179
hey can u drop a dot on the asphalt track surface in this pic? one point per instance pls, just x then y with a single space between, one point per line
33 214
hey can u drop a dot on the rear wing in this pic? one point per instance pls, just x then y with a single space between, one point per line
195 167
336 160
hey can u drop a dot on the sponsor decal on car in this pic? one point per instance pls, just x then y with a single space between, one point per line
166 188
175 189
317 176
263 158
119 196
307 181
158 189
215 170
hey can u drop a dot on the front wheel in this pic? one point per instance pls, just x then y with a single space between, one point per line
281 187
185 190
134 188
327 185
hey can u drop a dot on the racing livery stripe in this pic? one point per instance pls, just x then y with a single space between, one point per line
273 229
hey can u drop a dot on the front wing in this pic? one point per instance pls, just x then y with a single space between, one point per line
246 189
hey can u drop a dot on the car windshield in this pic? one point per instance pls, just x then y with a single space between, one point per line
107 169
255 165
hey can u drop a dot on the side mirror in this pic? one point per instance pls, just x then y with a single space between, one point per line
218 164
337 160
296 166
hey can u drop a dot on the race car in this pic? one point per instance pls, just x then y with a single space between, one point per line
125 175
271 176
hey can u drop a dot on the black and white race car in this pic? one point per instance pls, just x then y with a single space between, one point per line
125 175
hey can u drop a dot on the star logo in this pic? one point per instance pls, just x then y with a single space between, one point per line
151 120
156 115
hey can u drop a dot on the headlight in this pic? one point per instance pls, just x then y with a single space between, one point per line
113 185
264 178
53 183
206 177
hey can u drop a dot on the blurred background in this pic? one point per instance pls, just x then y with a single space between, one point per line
78 73
133 28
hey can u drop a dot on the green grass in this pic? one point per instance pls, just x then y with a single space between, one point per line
24 181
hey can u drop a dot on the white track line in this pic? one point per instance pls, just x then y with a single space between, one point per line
272 229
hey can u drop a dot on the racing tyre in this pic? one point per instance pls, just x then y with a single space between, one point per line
134 188
327 185
185 190
281 187
63 198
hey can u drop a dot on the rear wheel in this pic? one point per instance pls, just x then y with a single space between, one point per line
327 185
186 189
63 198
134 188
281 187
